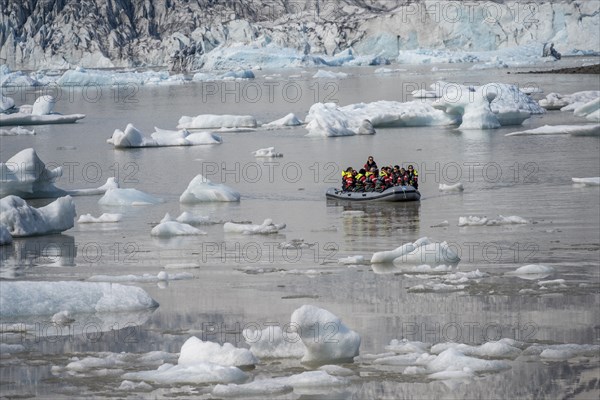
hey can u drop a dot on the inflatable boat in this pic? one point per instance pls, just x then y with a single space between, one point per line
395 193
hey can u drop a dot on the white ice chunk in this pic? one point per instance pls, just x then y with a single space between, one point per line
200 189
21 219
268 152
267 227
48 298
62 318
534 269
127 197
5 236
327 120
25 175
6 103
457 187
199 373
289 120
405 346
568 351
132 386
17 130
260 388
104 218
43 105
133 137
191 219
210 121
322 74
271 343
595 181
574 130
332 342
168 227
500 220
352 260
196 351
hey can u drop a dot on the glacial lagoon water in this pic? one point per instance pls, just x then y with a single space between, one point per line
248 281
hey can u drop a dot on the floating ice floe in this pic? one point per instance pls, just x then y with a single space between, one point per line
195 350
20 219
457 187
26 176
328 120
6 103
268 152
103 219
17 130
42 113
210 121
145 278
25 298
422 251
568 102
532 271
201 189
289 120
127 197
332 342
169 227
267 227
133 386
62 318
132 137
589 110
486 107
501 220
271 343
79 76
595 181
192 219
573 130
322 74
561 352
200 363
280 385
352 260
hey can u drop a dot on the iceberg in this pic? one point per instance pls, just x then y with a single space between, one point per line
271 343
289 120
25 298
267 227
322 74
17 130
457 187
26 176
573 130
210 121
268 152
127 197
196 351
328 120
501 220
20 219
595 181
168 227
422 251
132 137
42 113
200 189
589 110
330 342
103 219
6 103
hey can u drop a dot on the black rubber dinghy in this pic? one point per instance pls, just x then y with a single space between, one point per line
395 193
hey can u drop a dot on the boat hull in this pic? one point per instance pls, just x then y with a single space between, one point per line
393 194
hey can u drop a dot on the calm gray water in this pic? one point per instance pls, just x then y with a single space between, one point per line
524 176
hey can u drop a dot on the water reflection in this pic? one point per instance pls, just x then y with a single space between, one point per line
24 253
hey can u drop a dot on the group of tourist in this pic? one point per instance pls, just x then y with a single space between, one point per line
370 178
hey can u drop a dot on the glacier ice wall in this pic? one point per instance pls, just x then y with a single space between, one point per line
126 33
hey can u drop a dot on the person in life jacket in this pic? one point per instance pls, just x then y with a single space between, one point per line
402 177
370 164
371 180
413 177
359 180
348 183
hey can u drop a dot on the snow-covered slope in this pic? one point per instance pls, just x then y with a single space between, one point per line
97 33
